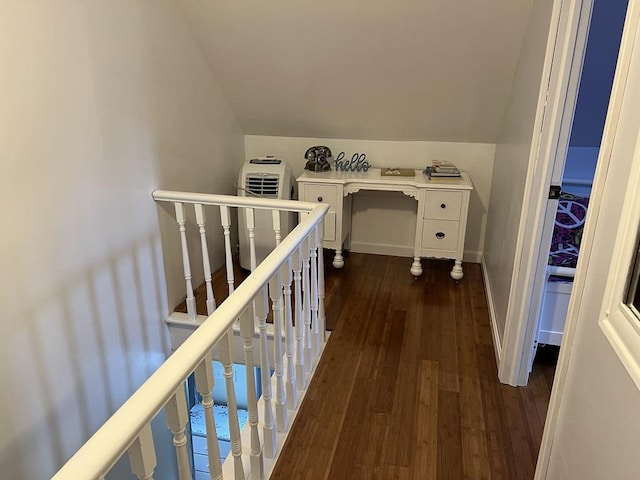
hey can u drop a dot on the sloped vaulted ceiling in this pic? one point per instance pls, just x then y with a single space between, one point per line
436 70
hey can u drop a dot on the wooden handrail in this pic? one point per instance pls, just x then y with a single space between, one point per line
233 201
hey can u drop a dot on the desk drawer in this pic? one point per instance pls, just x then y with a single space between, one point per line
324 194
321 194
440 235
443 205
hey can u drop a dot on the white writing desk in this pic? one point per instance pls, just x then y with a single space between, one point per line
441 219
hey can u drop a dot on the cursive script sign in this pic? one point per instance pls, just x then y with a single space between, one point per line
358 163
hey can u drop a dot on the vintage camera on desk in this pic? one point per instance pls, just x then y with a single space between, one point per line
318 159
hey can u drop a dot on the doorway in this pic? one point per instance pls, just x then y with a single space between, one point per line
577 171
566 46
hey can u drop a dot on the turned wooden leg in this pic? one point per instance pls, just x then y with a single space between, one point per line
416 267
456 271
338 261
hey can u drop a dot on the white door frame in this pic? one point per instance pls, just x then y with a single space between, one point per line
566 45
629 34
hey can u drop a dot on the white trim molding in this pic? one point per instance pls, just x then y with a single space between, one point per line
469 256
382 249
495 333
566 44
620 324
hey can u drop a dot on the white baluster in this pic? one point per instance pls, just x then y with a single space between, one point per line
177 419
191 301
301 372
292 392
247 328
206 263
306 290
276 225
322 321
224 353
225 220
142 454
251 227
204 385
315 331
275 293
260 307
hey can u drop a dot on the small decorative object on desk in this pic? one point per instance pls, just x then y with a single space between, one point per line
441 168
318 159
398 172
358 163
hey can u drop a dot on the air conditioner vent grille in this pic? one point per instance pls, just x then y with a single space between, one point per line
262 184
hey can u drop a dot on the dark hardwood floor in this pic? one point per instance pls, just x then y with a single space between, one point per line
219 285
407 387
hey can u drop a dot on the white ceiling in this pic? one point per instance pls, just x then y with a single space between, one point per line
437 70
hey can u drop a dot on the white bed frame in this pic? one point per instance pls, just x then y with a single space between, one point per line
555 302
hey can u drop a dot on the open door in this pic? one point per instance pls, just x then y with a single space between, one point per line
564 63
573 170
562 68
593 423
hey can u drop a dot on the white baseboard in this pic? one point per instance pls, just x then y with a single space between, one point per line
382 249
497 342
402 251
472 256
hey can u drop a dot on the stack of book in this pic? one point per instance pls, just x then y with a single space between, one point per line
440 168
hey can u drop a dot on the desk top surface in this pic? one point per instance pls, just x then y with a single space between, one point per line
373 177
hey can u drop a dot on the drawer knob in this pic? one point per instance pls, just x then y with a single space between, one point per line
440 235
442 205
319 199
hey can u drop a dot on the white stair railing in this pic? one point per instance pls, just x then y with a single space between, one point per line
177 419
298 341
291 382
301 375
306 304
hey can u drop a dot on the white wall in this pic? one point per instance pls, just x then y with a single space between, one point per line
374 213
581 163
412 70
605 31
101 102
512 162
580 166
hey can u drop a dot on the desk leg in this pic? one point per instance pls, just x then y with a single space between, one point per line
456 271
416 267
338 261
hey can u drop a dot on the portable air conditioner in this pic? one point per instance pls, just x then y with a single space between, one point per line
265 177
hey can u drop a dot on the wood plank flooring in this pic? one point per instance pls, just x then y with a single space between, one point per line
407 387
219 285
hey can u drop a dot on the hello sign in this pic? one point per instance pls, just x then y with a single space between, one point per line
358 163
